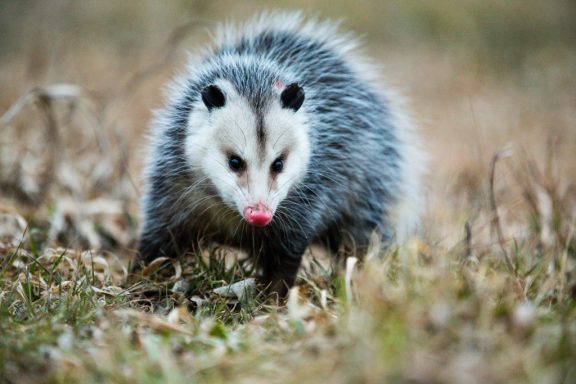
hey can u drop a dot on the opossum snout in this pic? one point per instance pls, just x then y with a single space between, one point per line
258 215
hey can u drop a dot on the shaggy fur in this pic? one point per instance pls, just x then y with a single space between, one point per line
353 162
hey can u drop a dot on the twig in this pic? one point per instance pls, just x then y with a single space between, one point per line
44 98
467 240
54 147
496 225
350 263
55 91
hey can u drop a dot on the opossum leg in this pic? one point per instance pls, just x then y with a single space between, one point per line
280 266
159 243
331 239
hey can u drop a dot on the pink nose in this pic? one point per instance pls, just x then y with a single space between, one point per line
258 215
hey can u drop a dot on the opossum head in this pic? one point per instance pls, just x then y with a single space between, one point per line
252 155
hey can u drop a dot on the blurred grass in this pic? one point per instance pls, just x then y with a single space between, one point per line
482 76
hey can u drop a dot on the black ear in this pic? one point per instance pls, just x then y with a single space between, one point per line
213 97
292 96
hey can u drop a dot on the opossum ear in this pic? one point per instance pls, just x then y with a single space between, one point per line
213 97
292 96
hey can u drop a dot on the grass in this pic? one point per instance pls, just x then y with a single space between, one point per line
486 294
416 315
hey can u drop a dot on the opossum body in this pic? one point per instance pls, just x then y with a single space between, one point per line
276 137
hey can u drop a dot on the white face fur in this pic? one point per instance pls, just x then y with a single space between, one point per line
223 144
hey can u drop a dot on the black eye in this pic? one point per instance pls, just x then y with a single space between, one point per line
277 166
235 163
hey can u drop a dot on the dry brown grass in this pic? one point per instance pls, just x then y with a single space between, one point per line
492 87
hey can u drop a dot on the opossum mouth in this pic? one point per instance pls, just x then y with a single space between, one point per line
258 215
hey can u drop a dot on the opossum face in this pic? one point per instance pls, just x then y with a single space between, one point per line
253 157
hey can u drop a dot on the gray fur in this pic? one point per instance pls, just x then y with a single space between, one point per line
357 167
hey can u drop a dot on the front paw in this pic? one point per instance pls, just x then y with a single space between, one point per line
276 288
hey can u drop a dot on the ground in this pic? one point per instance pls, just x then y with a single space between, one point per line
486 293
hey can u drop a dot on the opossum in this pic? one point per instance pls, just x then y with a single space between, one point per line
278 136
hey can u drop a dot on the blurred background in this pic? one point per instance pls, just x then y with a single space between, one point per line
481 75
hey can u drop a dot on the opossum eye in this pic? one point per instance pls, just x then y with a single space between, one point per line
292 97
213 97
235 163
277 166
